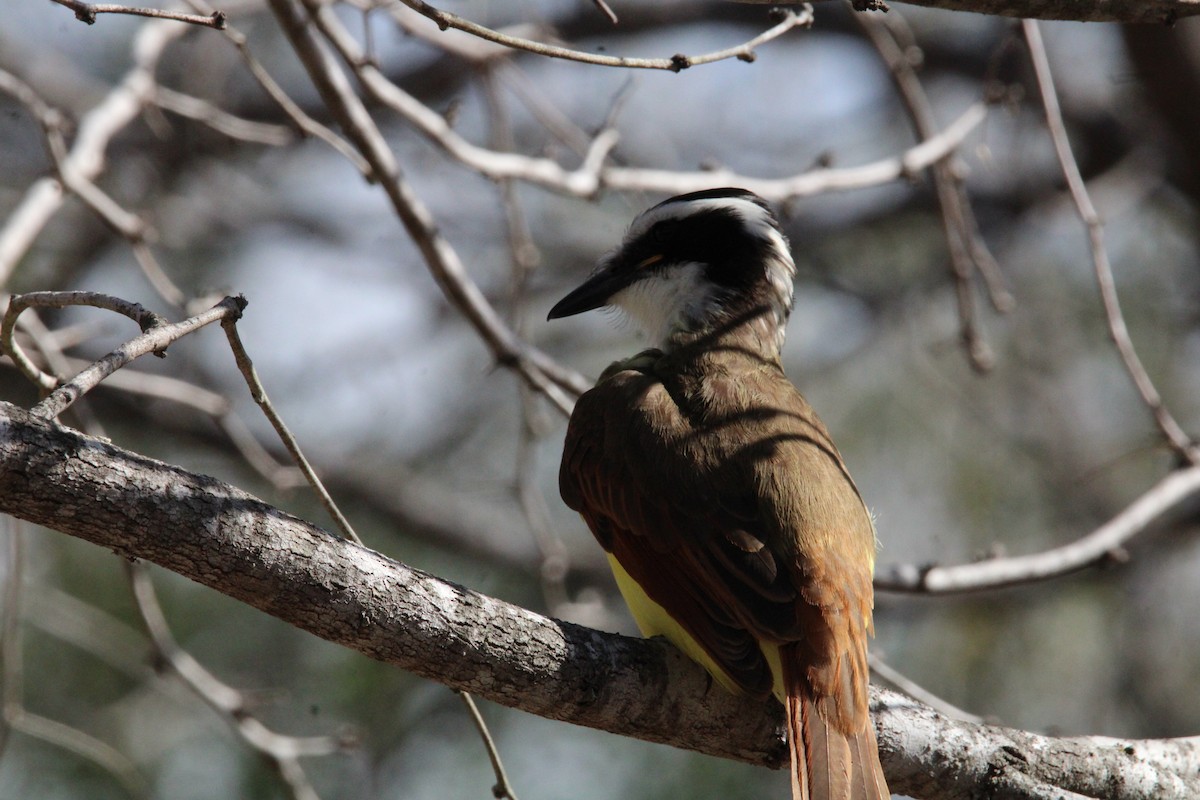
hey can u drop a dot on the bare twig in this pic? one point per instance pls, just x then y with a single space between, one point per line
259 393
31 327
606 11
52 122
462 45
45 381
1100 545
1179 440
303 122
82 744
549 116
163 387
17 304
158 278
86 157
282 752
10 630
86 12
158 334
220 120
130 225
967 251
676 63
46 115
15 717
525 259
443 262
503 787
587 182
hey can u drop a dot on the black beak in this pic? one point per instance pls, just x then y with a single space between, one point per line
594 293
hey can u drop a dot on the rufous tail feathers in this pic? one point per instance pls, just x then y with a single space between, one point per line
829 763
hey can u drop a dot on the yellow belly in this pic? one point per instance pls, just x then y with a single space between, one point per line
653 620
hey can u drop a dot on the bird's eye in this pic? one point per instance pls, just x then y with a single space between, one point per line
662 232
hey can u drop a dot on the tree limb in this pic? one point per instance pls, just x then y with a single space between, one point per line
233 542
1162 12
226 539
1177 490
1152 11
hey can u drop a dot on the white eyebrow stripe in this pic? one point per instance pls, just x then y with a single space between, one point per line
756 218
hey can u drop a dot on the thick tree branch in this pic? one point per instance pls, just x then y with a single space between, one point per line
224 538
960 759
1162 12
1153 11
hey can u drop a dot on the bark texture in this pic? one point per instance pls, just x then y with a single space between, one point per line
235 543
1160 12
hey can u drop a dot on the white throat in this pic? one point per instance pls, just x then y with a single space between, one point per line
665 304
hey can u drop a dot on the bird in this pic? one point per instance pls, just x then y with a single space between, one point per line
730 521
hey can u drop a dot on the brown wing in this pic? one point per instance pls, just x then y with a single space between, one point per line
735 514
622 484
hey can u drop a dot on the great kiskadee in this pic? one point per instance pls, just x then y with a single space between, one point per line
728 517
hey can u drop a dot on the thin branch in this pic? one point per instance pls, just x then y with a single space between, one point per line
503 787
46 115
1179 440
158 278
967 251
282 752
558 124
84 745
259 393
461 45
86 12
126 223
676 63
525 258
606 11
222 121
15 717
593 176
130 225
53 122
92 630
541 371
32 328
11 659
97 128
158 334
17 304
1101 545
174 390
303 122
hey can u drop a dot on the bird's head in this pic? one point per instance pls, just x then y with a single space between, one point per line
692 264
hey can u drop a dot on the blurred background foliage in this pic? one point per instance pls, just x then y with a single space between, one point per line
442 461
